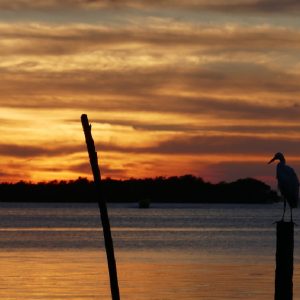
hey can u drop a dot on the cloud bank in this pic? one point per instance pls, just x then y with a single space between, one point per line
217 98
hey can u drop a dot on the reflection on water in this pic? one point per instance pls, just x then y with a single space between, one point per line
52 275
82 275
52 251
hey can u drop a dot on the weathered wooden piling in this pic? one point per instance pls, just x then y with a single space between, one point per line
284 261
114 287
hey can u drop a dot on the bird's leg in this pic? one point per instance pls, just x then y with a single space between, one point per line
284 207
292 218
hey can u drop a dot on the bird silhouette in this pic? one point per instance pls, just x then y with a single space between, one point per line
288 183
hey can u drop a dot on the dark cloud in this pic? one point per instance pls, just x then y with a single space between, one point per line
84 168
8 177
188 127
7 174
44 4
219 144
232 170
106 170
12 150
62 40
140 91
229 6
254 129
262 6
12 171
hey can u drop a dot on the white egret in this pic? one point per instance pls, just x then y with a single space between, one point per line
288 183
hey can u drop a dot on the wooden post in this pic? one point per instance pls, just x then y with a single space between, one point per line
114 287
284 261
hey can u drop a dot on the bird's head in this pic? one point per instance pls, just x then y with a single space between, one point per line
278 156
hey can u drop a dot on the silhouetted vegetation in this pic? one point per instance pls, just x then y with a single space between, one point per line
188 188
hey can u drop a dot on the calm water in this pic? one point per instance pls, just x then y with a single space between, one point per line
55 251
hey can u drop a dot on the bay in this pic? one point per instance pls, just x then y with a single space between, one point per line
170 251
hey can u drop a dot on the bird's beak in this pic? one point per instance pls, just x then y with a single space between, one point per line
271 160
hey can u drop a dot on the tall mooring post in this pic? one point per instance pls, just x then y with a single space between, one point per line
114 287
284 261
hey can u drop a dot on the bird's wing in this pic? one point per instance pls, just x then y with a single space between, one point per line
288 183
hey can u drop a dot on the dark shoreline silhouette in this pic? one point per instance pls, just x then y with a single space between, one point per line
187 188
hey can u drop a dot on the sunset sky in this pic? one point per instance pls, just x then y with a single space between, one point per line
210 88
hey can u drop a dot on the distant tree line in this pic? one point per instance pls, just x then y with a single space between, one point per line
183 189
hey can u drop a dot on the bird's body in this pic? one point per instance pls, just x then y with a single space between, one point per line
288 182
